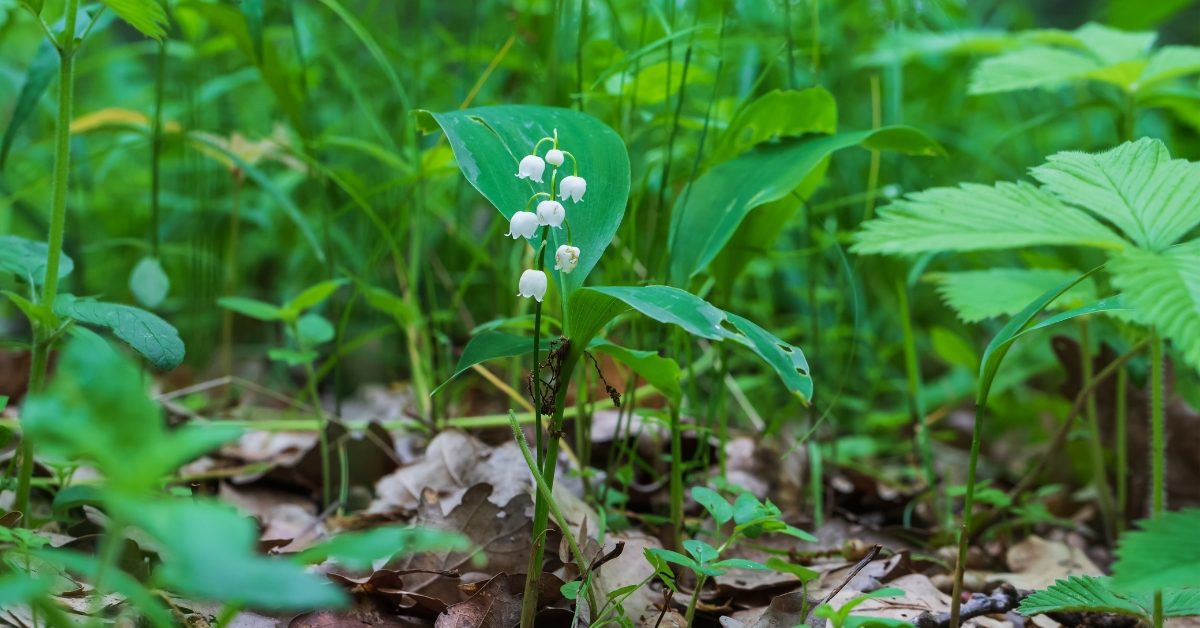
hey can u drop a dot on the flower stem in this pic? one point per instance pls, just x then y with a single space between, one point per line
58 224
964 533
541 511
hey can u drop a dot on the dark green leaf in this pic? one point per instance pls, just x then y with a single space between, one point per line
712 501
661 373
775 114
491 345
148 334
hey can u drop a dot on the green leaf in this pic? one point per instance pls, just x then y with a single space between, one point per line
712 501
570 590
1111 45
1080 594
147 16
708 212
19 588
260 310
746 509
739 563
488 142
775 114
293 357
208 552
975 217
358 550
42 70
673 557
312 296
980 294
96 410
800 571
149 282
1164 289
1169 63
701 551
1136 186
661 373
145 332
35 312
589 306
491 345
314 330
1163 553
392 305
27 259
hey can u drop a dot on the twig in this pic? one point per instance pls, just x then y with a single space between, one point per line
871 554
1003 599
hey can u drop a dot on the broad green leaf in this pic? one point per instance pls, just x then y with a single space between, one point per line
1169 63
358 550
488 142
148 334
712 501
27 259
975 217
314 330
260 310
149 282
740 563
708 212
980 294
147 16
661 373
491 345
696 316
1136 186
901 46
1026 68
1164 289
775 114
293 357
208 552
570 590
312 296
701 551
42 70
96 410
1112 45
746 509
1163 553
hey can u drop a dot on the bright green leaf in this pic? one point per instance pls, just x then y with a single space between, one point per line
149 282
27 259
491 345
147 16
1164 289
712 501
253 308
661 373
313 296
1163 553
980 294
314 330
701 551
358 550
776 114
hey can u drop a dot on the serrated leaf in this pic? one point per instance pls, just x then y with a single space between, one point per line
147 16
27 259
975 217
144 331
1080 594
1027 68
712 501
149 282
1153 199
980 294
1163 553
1164 289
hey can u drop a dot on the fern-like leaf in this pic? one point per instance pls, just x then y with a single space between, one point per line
1164 289
980 294
1080 594
976 217
1164 553
147 16
1136 186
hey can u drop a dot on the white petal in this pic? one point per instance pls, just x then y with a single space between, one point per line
554 157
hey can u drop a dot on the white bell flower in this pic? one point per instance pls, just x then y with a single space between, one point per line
573 187
551 213
531 167
554 157
522 225
532 284
566 258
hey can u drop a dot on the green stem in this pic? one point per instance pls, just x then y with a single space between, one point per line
541 511
1157 447
1122 448
690 613
1099 474
58 225
310 385
964 533
676 477
156 149
916 411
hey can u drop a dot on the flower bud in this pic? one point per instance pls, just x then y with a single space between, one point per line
554 157
566 258
572 187
532 284
551 213
531 167
522 225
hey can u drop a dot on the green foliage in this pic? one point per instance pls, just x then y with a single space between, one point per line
1164 290
490 345
149 282
488 143
981 294
358 550
1163 553
841 617
156 339
661 373
27 259
147 16
1095 594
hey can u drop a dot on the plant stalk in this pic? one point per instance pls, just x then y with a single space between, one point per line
964 533
1099 475
1157 447
541 510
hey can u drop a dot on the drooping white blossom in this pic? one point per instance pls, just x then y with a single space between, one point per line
531 167
572 187
554 157
532 284
522 225
551 213
566 258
